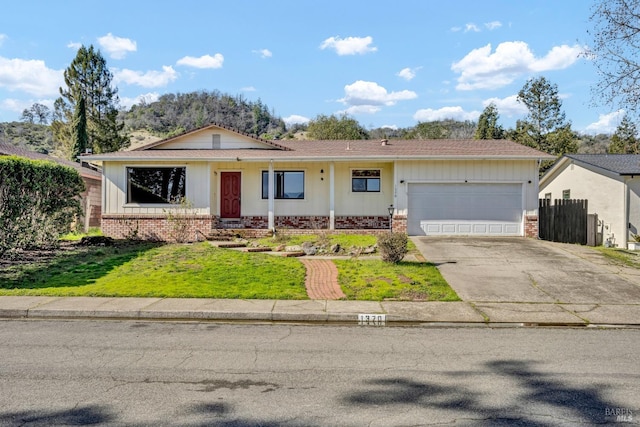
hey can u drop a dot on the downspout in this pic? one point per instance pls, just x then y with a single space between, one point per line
270 195
626 213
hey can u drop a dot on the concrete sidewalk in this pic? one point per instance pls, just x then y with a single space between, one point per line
320 311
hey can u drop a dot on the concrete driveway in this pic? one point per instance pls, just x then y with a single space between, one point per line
486 269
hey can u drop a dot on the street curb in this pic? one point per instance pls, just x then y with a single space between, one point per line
300 318
322 312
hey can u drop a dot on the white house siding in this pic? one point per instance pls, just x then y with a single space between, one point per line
348 203
115 184
470 171
605 195
203 140
316 190
317 186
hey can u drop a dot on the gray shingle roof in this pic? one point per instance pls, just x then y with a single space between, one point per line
346 150
622 164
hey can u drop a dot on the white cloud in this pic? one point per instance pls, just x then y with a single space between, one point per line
31 76
371 94
264 53
3 37
360 109
74 45
492 25
408 73
558 58
456 29
456 113
17 105
295 119
248 89
117 47
146 98
205 61
507 107
607 123
148 79
482 69
471 27
392 127
349 45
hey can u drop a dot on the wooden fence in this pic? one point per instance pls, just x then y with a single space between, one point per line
566 221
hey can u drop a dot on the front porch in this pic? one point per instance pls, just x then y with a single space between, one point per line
200 227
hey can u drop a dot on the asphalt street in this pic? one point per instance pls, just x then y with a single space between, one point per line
201 373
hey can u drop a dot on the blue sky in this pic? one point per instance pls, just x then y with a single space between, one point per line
384 63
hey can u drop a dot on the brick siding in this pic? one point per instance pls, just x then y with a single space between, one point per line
531 226
158 228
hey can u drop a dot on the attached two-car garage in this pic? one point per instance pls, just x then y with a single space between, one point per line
465 209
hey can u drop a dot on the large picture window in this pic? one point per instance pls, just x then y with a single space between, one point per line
288 184
365 180
156 185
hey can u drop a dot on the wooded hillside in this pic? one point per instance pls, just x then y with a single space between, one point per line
173 114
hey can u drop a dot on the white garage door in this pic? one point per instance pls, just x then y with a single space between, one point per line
461 209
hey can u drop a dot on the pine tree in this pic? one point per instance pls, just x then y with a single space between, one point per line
545 127
488 127
625 139
88 80
79 130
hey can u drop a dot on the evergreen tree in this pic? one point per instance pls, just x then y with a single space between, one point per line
80 130
88 79
625 139
488 127
545 127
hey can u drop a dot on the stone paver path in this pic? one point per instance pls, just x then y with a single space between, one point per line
322 279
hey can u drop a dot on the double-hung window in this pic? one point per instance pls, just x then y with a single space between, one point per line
365 180
287 184
156 185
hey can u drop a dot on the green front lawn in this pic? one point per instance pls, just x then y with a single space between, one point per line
139 269
149 270
377 280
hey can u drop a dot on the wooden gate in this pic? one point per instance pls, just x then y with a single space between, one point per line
563 221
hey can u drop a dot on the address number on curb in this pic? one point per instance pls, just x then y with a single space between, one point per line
372 319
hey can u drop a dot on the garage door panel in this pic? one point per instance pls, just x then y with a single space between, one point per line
473 209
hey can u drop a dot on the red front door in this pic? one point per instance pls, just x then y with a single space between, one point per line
230 200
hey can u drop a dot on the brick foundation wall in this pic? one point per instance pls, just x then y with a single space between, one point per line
531 226
308 222
362 222
157 228
399 224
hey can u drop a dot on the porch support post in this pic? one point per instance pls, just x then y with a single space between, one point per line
270 193
332 197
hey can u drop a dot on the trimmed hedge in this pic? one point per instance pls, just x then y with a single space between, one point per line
39 201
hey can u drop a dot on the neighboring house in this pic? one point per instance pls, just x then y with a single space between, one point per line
609 182
91 197
233 180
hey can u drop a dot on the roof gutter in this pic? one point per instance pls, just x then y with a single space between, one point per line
98 158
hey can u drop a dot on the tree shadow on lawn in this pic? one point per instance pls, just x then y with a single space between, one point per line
536 398
72 265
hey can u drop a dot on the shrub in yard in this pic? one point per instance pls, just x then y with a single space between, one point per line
38 202
393 246
181 221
